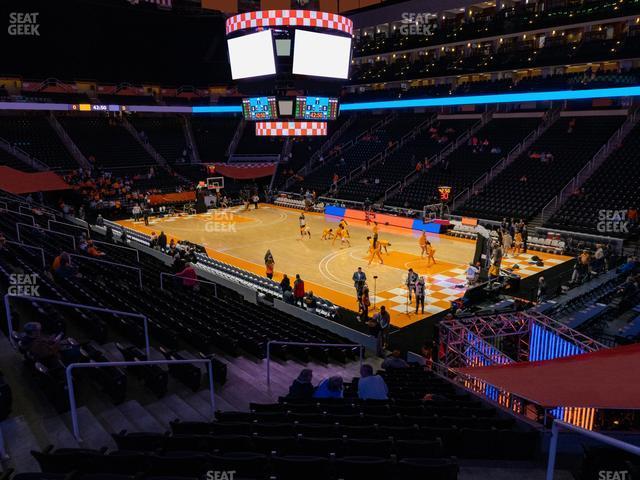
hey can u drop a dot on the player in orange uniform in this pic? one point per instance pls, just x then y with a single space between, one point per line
422 241
327 234
431 253
374 250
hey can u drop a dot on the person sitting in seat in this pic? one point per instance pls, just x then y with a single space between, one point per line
330 388
188 275
45 348
93 251
302 388
394 361
370 386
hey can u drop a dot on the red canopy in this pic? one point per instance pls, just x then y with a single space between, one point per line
603 379
243 171
16 181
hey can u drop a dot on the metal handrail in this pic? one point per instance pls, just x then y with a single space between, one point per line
93 308
24 215
84 257
30 210
66 225
44 262
112 245
305 344
72 398
163 274
553 446
18 225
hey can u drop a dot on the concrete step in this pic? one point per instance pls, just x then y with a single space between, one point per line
57 432
142 420
19 441
92 433
114 421
163 414
182 409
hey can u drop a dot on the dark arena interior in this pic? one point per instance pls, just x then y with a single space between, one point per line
320 240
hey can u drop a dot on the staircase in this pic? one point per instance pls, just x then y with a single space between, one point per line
504 162
160 160
437 158
21 155
583 175
68 142
191 142
35 424
236 138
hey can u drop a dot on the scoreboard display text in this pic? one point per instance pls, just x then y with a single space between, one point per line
316 108
259 108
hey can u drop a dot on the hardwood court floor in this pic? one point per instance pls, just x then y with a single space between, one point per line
242 237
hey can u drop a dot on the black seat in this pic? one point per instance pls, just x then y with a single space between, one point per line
294 467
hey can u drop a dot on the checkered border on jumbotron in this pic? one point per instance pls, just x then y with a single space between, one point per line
278 129
289 18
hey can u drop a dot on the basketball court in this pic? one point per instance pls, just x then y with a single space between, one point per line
241 237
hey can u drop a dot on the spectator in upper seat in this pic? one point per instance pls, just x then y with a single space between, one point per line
109 234
93 251
302 388
162 241
153 241
99 220
394 361
298 291
331 387
45 348
370 386
188 275
123 237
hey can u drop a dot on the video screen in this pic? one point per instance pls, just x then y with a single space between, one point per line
259 108
252 55
316 108
321 55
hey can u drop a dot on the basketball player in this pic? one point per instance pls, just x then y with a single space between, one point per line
374 251
343 224
342 234
422 241
304 230
431 252
384 245
327 234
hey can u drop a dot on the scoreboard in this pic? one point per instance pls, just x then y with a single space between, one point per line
316 108
259 108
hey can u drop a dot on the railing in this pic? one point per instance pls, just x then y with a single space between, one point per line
68 142
191 141
22 155
197 280
106 262
121 247
304 344
30 210
23 202
145 144
18 225
555 433
33 220
70 387
49 222
24 245
7 308
237 135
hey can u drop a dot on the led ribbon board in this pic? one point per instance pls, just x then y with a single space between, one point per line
498 98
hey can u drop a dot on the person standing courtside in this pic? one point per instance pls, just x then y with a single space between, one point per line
359 279
420 293
412 278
